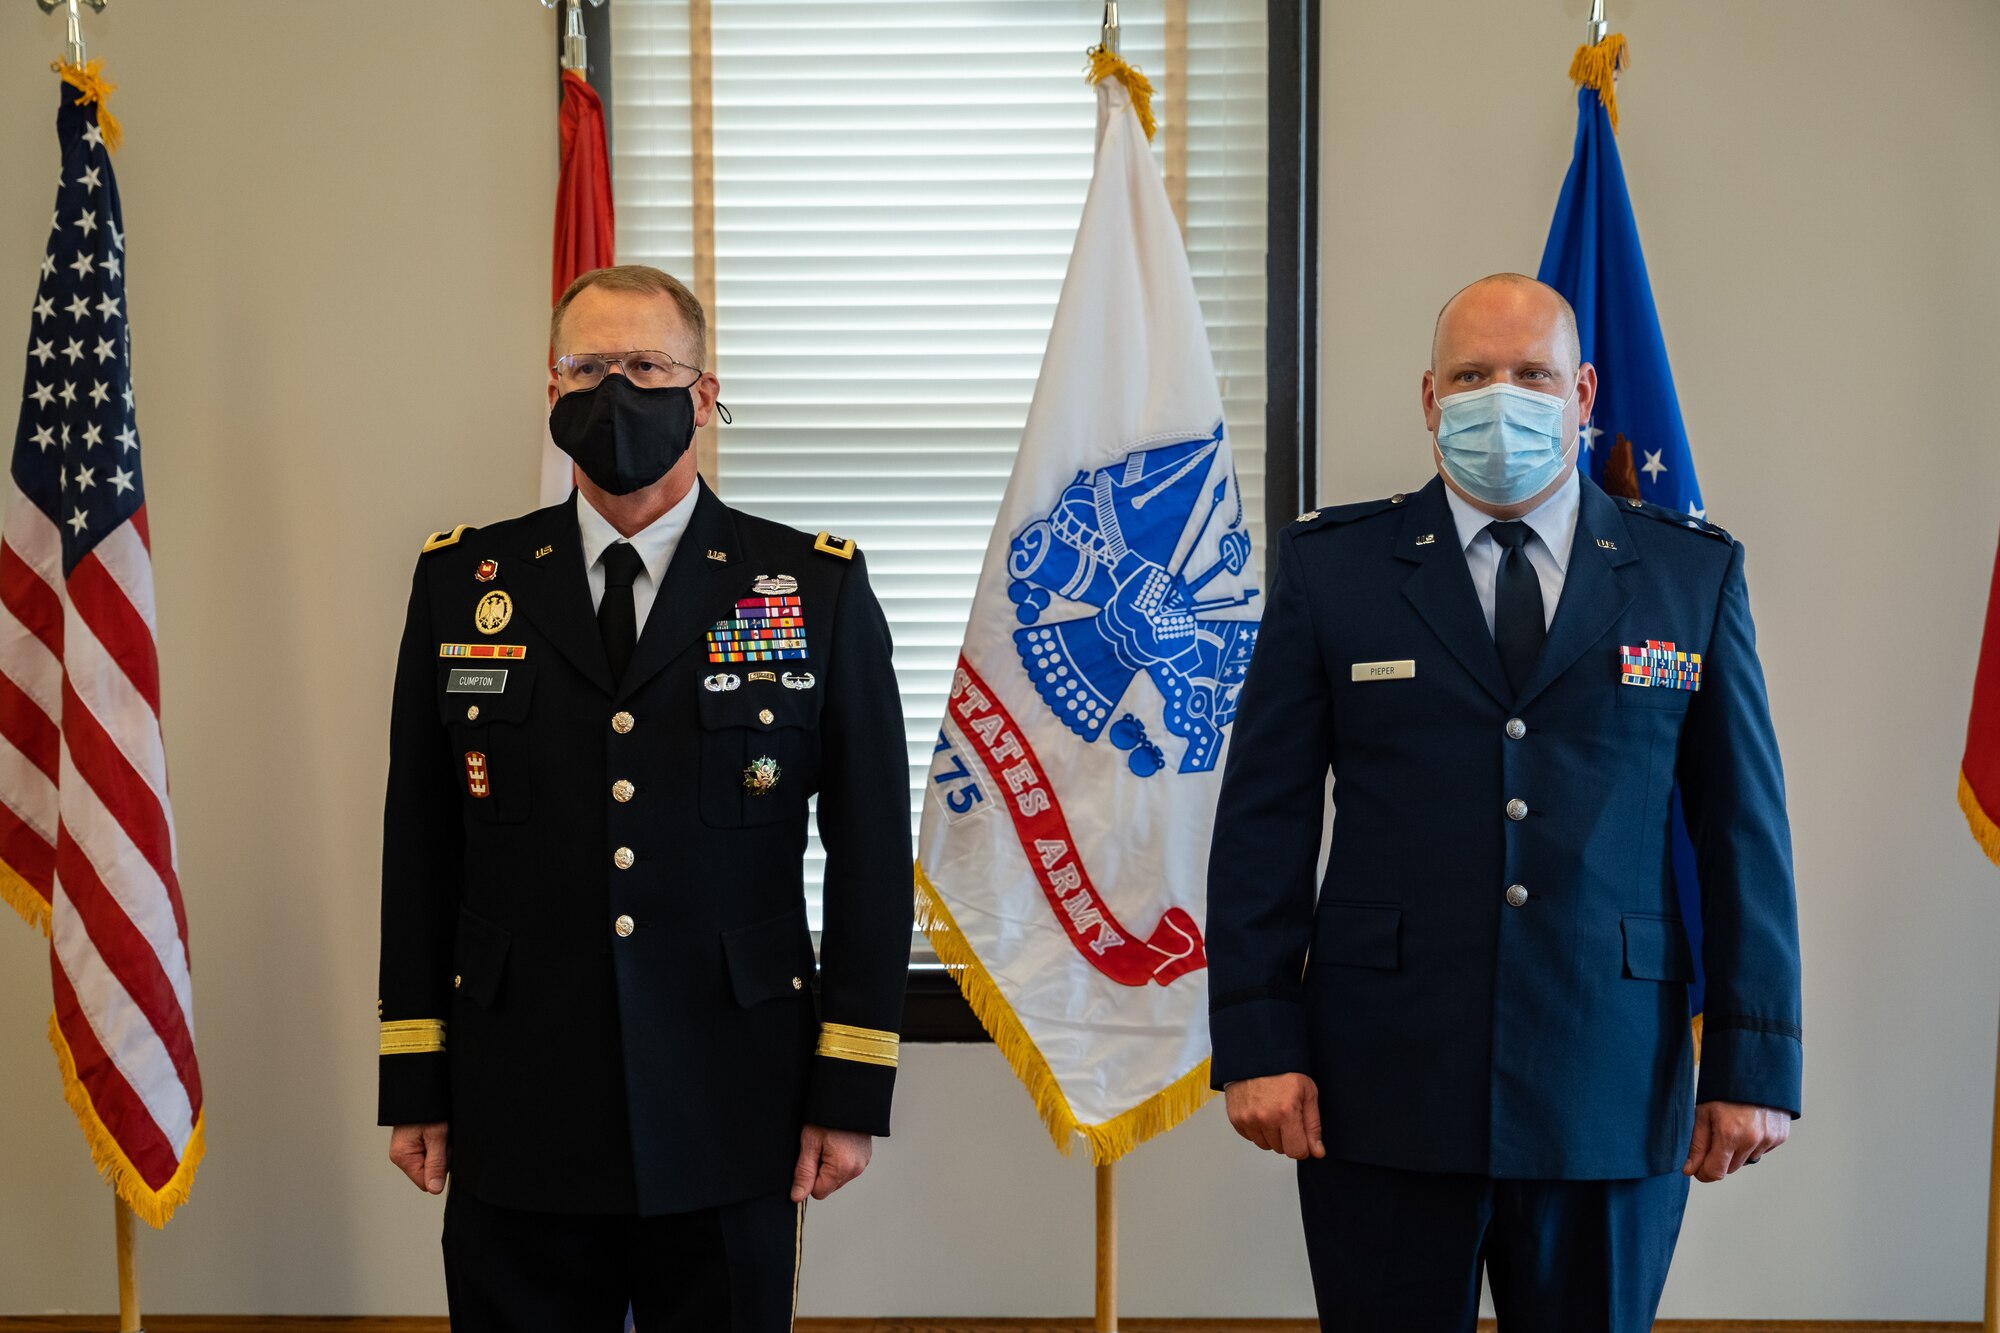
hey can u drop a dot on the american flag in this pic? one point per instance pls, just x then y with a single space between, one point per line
86 831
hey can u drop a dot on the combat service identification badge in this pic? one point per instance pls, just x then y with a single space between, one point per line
488 571
761 776
476 783
495 609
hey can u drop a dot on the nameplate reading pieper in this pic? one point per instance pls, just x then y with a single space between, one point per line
1385 671
476 682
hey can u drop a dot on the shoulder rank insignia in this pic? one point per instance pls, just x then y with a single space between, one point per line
1307 517
439 540
829 544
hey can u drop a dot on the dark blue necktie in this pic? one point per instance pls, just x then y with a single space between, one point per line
617 621
1518 623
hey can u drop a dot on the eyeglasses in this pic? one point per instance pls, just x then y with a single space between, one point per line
647 370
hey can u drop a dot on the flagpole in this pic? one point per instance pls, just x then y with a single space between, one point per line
128 1272
1107 1248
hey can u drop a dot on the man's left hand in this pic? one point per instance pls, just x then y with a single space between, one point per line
828 1159
1728 1135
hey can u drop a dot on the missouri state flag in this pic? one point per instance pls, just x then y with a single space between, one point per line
1066 821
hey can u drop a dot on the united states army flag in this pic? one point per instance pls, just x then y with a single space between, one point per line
1066 823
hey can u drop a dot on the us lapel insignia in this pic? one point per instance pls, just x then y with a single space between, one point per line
761 776
1607 545
476 782
488 571
775 585
1428 539
495 609
719 683
544 550
718 555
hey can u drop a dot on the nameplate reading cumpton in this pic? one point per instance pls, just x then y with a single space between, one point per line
1385 671
476 682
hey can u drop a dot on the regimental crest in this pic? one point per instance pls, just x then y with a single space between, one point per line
1134 546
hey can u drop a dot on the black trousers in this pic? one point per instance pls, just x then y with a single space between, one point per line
733 1269
1401 1251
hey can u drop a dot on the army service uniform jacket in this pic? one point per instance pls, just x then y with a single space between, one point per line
1494 977
596 963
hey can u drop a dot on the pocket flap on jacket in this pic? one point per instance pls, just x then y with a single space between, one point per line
747 706
1359 935
478 958
1656 948
769 959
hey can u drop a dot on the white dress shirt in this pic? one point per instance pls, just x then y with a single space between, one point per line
655 543
1553 524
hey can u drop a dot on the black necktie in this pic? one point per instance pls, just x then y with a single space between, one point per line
1518 624
616 619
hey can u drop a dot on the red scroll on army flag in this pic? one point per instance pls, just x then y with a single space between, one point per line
86 831
1066 822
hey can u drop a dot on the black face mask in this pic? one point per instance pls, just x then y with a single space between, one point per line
624 437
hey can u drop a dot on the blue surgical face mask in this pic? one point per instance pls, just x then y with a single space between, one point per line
1502 444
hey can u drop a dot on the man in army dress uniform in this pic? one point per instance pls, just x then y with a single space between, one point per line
598 983
1472 1030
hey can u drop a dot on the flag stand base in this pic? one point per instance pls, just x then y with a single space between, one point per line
1107 1249
128 1272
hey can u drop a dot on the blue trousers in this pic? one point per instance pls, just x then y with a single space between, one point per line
1402 1251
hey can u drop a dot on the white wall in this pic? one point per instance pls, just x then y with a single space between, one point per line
1817 188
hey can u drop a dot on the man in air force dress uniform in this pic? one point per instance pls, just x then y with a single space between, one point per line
1475 1038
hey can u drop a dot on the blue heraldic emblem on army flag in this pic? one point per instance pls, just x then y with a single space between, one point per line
1118 541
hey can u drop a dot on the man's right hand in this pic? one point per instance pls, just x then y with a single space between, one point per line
422 1153
1280 1113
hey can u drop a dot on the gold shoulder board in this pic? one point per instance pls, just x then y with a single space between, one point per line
832 545
438 540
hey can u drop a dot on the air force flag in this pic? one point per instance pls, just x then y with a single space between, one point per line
1066 824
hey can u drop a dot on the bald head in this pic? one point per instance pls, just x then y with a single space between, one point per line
1511 300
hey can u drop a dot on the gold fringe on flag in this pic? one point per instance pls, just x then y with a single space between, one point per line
151 1206
1598 67
1985 829
20 895
89 82
1108 1141
1104 65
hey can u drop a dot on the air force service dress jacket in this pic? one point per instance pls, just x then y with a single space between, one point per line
1494 977
595 956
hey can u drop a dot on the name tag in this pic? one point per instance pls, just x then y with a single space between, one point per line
476 682
1385 671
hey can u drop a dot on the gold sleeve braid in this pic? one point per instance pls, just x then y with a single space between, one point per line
870 1046
412 1036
